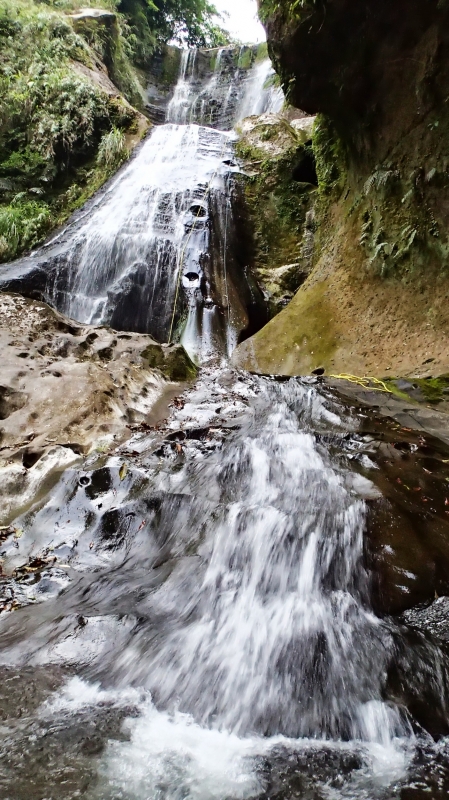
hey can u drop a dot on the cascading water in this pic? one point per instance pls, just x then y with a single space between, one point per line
216 614
149 256
230 94
208 631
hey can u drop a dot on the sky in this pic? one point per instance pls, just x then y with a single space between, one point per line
242 21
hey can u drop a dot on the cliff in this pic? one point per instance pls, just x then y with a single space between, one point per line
376 301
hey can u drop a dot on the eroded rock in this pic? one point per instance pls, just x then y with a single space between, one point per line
67 389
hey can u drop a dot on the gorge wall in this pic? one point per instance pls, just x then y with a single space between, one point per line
376 301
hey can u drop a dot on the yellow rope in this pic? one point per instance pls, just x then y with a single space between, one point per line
365 382
183 252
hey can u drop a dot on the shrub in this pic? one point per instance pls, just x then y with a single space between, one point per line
22 224
112 150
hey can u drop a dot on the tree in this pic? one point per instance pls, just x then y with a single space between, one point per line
190 22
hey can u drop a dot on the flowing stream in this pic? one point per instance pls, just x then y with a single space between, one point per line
205 626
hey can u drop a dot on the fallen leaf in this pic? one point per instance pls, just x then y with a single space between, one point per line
123 471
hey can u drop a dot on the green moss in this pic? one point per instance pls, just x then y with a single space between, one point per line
170 66
298 340
420 390
245 57
433 388
391 385
276 203
172 361
330 156
213 60
262 51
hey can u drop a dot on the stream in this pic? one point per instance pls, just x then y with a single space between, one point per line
247 600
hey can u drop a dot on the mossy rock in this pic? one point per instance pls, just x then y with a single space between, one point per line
428 390
278 204
171 360
299 340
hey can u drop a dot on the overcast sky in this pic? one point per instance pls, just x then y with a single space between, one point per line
242 21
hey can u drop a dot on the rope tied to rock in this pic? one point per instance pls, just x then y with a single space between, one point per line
365 382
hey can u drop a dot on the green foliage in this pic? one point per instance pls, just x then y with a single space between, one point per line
22 224
53 120
112 150
330 157
26 162
291 10
383 178
191 22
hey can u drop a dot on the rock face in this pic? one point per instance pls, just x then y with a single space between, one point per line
279 185
376 73
67 389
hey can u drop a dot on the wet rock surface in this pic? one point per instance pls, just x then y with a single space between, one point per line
279 187
108 546
376 298
67 389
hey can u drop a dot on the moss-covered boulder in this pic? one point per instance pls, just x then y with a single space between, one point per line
171 360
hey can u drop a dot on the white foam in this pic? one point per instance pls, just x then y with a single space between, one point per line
77 694
170 756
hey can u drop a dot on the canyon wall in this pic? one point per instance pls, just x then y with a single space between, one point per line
376 301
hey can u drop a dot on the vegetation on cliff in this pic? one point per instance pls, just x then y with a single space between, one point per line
279 188
376 72
155 22
71 97
57 112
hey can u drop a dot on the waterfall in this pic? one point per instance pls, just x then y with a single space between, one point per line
230 94
226 610
149 256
